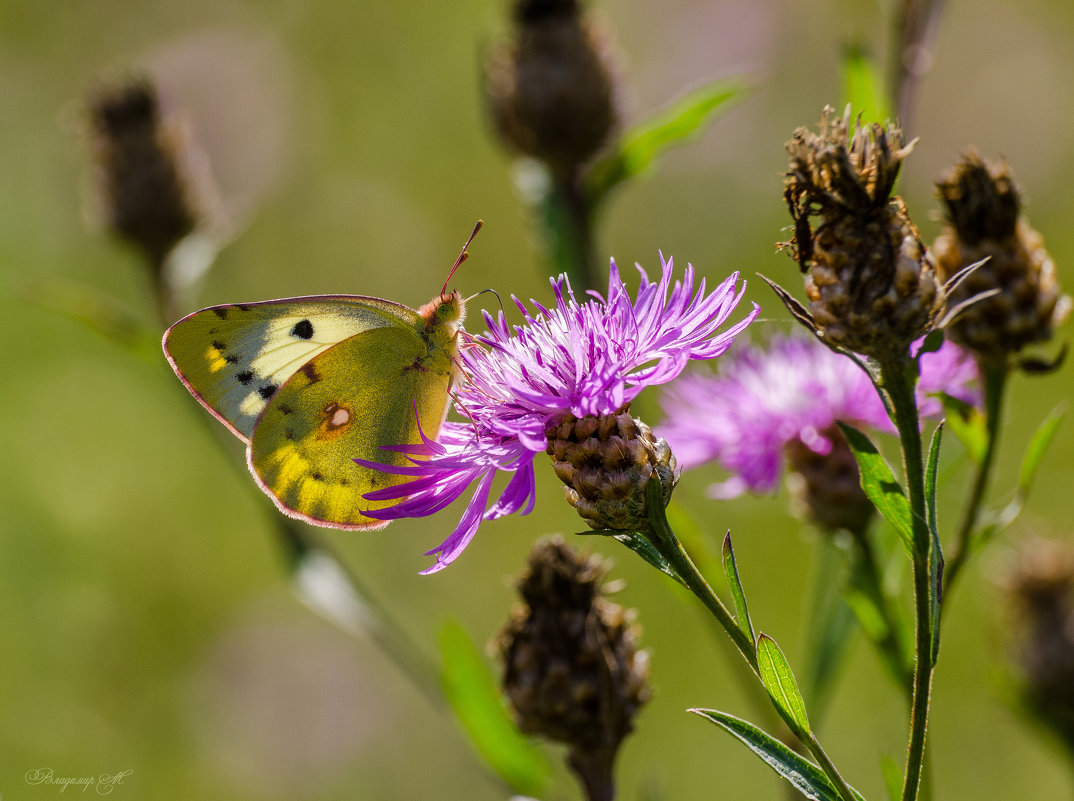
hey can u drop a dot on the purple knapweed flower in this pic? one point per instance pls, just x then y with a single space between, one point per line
589 357
793 389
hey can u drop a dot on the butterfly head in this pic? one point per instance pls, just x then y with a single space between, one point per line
446 311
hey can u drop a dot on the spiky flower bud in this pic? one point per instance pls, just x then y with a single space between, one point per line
1042 586
572 669
551 89
606 463
983 210
871 283
826 487
148 194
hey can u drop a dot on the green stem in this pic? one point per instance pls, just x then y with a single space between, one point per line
898 383
664 540
892 648
995 384
572 230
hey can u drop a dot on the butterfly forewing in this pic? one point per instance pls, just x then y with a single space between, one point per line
348 402
234 358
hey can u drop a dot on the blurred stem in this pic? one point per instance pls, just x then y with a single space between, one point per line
995 381
867 576
594 770
162 294
897 379
571 224
916 23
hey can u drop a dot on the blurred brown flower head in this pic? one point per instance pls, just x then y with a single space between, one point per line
872 285
150 194
572 669
1041 585
983 205
551 87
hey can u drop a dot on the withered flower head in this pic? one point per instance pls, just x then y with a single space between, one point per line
148 196
606 463
572 669
871 283
1042 586
984 220
551 88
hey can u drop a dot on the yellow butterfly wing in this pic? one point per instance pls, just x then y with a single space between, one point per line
233 358
348 402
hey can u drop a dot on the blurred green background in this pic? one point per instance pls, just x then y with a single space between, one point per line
147 620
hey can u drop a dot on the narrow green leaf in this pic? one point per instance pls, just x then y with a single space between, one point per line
967 424
863 86
880 486
831 626
641 145
1038 444
471 690
935 549
892 772
778 679
639 544
738 595
998 520
803 775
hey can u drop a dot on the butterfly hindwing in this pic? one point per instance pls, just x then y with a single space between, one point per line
347 402
234 358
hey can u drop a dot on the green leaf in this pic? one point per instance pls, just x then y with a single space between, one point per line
640 544
863 86
831 626
892 772
967 424
778 679
996 521
638 147
1038 444
880 486
935 549
472 692
803 775
738 595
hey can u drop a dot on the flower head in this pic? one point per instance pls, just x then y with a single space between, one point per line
793 391
871 283
577 359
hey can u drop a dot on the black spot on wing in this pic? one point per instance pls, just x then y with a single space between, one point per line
285 409
220 311
245 377
303 330
267 390
219 345
310 372
289 434
317 476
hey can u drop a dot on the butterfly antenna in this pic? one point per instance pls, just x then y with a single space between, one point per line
463 256
491 291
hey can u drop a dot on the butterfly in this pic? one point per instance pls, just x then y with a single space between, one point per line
312 383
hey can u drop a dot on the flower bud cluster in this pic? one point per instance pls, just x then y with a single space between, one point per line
606 463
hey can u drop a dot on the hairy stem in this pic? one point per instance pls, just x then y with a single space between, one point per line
898 383
669 546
